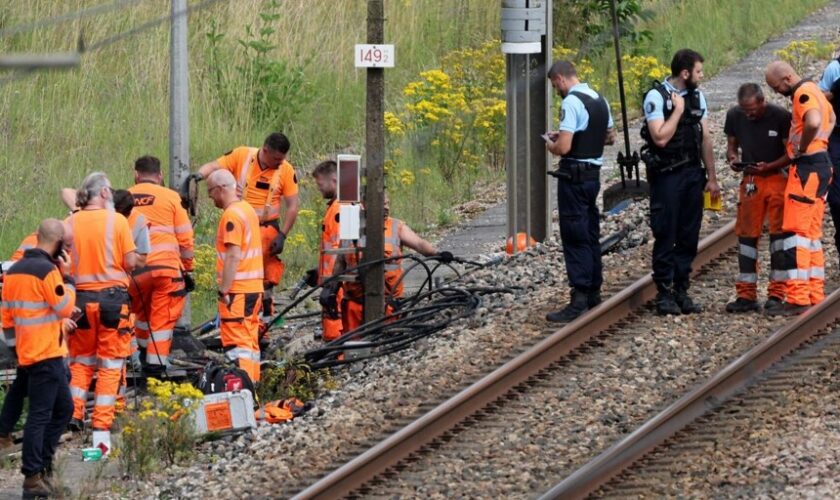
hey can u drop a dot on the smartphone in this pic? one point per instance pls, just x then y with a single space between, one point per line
57 254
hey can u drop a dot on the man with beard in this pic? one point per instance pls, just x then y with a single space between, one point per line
806 189
677 139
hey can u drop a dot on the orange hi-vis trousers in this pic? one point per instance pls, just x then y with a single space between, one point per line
157 300
99 345
273 267
804 262
240 324
332 324
765 200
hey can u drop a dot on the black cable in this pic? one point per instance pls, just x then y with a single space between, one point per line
70 16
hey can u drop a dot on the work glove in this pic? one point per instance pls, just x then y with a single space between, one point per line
189 283
311 277
277 244
329 299
446 257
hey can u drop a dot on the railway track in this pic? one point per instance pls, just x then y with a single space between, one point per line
778 437
443 447
504 392
819 350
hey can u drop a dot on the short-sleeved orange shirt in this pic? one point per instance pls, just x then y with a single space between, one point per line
808 96
239 226
101 239
256 183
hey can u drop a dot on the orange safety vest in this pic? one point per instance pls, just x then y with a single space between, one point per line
263 189
239 226
393 269
329 241
29 242
101 239
807 96
35 301
170 230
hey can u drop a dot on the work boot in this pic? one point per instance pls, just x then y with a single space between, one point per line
58 490
576 307
7 443
742 305
593 299
786 309
665 303
76 425
687 306
35 486
772 302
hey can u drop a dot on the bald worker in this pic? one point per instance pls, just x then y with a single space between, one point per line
807 185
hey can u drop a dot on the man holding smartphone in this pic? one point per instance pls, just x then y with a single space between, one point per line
759 130
585 126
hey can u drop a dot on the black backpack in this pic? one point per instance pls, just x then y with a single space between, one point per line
218 377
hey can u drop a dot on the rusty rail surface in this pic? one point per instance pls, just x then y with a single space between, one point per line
495 384
710 394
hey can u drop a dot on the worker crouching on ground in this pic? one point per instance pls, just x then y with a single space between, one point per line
264 178
325 178
159 289
396 235
103 254
38 297
586 125
806 189
759 130
239 273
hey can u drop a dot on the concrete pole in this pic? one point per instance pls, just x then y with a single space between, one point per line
179 119
374 275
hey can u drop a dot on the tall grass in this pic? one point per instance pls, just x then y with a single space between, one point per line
57 126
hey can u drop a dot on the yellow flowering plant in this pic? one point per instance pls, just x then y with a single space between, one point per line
159 430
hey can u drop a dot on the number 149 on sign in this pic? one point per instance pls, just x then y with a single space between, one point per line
374 56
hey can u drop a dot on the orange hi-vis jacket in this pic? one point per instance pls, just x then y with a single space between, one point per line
29 242
35 301
393 268
807 96
170 230
330 240
263 189
101 239
239 226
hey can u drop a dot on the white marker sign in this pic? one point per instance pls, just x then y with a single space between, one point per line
374 56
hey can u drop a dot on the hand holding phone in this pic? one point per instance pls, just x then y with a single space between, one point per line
546 137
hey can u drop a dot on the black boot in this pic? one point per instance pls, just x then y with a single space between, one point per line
577 306
687 306
665 303
593 298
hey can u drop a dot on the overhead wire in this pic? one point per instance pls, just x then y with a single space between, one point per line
70 16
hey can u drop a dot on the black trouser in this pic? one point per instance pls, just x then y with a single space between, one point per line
50 410
834 188
676 211
580 231
13 404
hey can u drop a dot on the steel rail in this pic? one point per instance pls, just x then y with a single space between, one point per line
489 388
698 401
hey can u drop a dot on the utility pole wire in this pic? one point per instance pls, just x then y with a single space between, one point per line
70 16
118 37
148 25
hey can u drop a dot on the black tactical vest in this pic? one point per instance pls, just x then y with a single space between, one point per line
589 143
688 137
